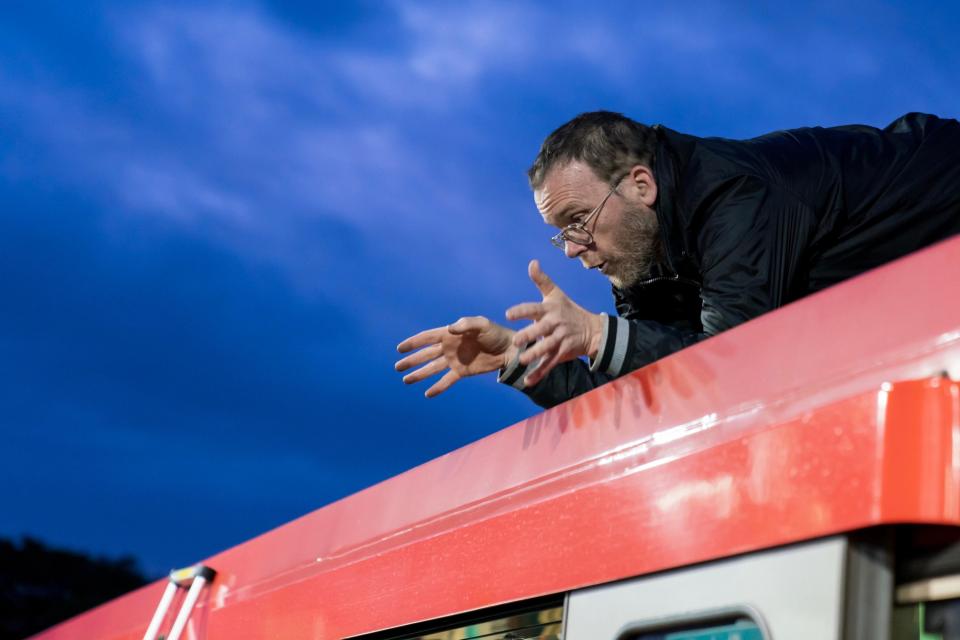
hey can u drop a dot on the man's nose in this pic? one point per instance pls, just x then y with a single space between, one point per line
572 249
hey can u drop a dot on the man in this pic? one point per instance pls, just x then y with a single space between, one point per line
698 235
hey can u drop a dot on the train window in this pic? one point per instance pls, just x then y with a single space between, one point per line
534 625
541 619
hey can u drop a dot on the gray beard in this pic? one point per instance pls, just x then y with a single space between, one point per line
638 248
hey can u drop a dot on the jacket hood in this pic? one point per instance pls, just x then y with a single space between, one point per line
674 151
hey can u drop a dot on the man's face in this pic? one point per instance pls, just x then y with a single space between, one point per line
626 240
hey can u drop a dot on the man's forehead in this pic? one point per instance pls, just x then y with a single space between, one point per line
563 185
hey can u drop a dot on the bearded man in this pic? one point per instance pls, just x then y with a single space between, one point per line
698 235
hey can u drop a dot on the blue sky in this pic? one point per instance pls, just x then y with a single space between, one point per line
217 220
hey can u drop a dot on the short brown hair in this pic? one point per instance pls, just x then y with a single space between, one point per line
607 142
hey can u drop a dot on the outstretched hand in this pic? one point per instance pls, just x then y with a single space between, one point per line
564 329
468 347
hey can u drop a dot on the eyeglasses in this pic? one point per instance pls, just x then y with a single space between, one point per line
577 232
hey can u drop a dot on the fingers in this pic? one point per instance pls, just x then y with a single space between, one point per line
466 325
418 358
534 331
528 310
543 349
442 384
436 366
422 339
542 280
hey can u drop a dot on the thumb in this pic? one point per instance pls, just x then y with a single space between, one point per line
542 280
466 325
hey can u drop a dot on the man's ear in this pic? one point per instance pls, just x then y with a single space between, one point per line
641 179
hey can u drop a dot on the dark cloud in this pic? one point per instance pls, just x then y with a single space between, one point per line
338 21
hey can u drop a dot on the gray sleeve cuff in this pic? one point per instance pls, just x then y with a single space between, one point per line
514 373
614 344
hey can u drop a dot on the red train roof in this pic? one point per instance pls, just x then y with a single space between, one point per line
829 415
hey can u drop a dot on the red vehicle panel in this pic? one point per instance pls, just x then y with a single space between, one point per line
829 415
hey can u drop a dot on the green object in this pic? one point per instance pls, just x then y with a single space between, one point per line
742 630
921 632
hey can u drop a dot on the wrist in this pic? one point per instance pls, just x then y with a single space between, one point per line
596 323
511 352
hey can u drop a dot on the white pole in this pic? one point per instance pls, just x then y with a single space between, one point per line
161 612
186 608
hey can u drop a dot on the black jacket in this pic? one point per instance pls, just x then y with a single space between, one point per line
751 225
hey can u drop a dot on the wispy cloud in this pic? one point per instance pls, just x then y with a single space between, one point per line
260 136
219 217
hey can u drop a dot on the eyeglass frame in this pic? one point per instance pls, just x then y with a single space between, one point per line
560 240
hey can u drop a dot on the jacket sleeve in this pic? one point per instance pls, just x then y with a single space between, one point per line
566 380
751 239
626 345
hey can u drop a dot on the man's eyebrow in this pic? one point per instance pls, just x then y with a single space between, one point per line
568 212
